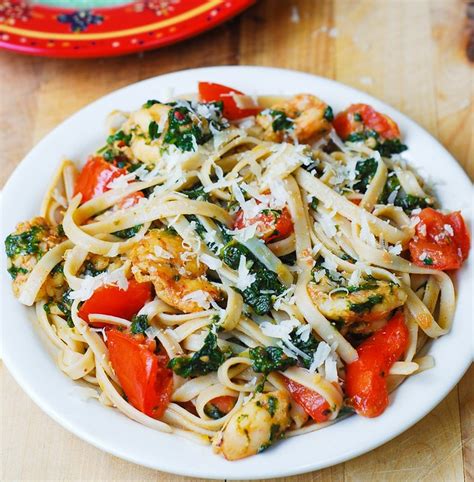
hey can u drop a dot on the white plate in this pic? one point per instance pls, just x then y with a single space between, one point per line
32 365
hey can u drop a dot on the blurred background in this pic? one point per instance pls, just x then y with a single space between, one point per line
416 55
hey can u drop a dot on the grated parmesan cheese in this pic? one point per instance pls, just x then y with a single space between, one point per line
319 356
211 261
245 278
90 283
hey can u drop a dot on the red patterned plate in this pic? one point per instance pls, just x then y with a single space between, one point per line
108 27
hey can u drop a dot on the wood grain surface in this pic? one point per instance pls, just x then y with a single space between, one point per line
409 53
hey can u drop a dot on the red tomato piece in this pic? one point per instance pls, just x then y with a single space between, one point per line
95 176
224 404
142 374
271 224
441 241
211 92
130 200
315 405
365 383
360 117
111 300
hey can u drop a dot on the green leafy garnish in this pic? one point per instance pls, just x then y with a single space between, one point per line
14 271
139 324
150 102
428 261
206 360
366 305
365 172
280 120
266 285
119 136
24 243
329 114
153 130
129 232
269 359
197 193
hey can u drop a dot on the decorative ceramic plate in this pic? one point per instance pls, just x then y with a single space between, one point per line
28 358
97 28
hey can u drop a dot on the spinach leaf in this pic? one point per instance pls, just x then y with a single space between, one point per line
196 192
150 102
365 171
14 271
119 136
269 359
129 232
91 270
308 347
329 114
24 243
366 305
65 306
206 360
407 202
139 324
257 295
280 120
390 146
153 130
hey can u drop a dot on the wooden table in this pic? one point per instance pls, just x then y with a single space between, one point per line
410 53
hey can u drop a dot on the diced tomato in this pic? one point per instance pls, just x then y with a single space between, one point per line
142 374
95 176
441 241
224 404
130 200
272 225
360 117
111 300
211 92
366 384
315 405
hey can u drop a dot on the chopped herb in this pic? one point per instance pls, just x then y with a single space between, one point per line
289 259
355 137
91 270
65 307
269 359
274 429
272 405
357 117
139 324
329 114
14 271
153 130
150 102
129 232
362 287
428 261
280 120
197 193
206 360
119 136
314 203
213 412
365 305
59 268
24 243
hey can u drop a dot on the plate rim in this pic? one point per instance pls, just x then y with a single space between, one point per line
364 448
104 51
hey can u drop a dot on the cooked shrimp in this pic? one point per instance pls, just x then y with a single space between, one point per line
371 302
174 270
25 246
304 116
256 426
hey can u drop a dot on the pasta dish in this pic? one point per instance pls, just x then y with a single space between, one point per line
238 270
